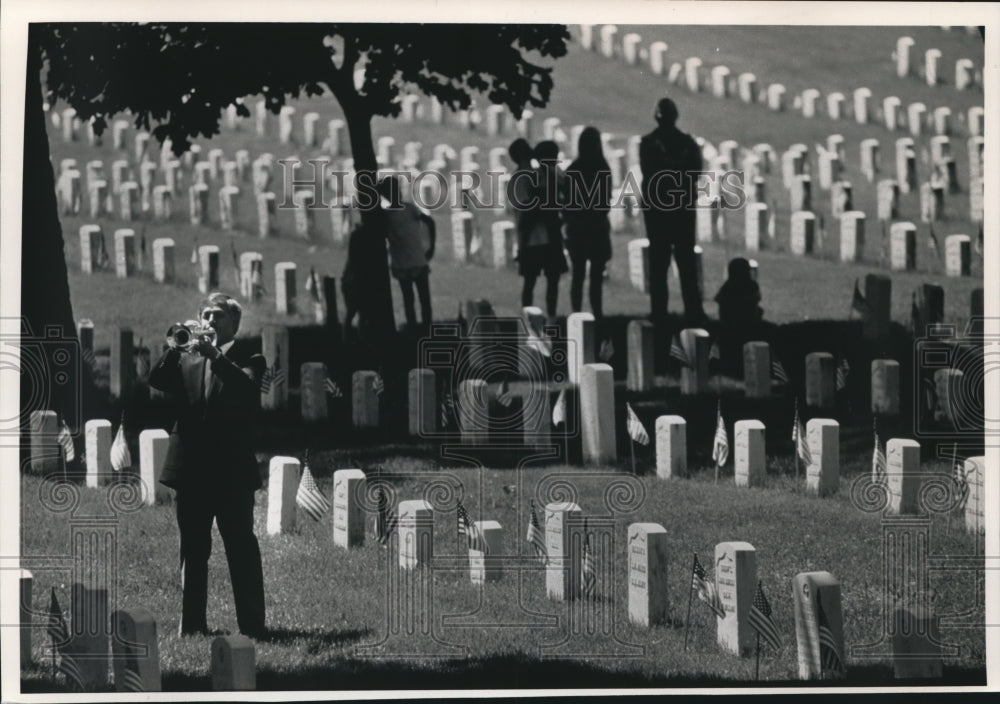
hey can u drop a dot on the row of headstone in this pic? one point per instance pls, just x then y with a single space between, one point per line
721 84
130 646
965 76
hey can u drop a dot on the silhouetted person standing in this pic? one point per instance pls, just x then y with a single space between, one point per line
588 231
670 160
533 195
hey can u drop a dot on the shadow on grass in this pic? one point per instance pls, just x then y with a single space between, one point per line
514 671
316 641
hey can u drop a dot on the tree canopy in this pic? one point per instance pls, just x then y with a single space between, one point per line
175 78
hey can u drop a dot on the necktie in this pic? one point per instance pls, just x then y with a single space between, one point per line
208 378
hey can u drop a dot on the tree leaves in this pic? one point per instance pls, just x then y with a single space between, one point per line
176 79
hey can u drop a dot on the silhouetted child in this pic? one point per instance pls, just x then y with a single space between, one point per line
740 313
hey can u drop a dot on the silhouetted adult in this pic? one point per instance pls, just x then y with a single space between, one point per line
669 160
533 195
587 199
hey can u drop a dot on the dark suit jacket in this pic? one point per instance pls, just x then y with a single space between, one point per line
211 443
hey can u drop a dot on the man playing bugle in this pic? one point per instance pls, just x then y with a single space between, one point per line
215 384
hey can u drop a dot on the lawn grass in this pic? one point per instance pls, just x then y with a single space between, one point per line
325 603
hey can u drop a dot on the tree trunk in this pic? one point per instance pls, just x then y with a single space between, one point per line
45 298
376 307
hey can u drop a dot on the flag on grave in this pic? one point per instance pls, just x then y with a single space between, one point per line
504 395
447 409
332 389
829 655
678 353
313 285
962 480
66 442
778 372
607 350
70 670
706 589
760 619
636 431
843 369
932 242
799 438
878 462
121 458
535 537
720 445
103 260
309 498
473 536
56 628
589 586
386 520
559 411
274 375
236 262
132 680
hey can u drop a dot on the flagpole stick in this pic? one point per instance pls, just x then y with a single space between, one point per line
53 639
631 448
687 619
954 453
756 671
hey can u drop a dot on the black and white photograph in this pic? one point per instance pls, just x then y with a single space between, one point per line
498 351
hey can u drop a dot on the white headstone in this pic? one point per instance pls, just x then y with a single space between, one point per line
749 456
902 459
648 588
416 534
562 572
348 517
736 582
234 665
153 444
98 434
597 396
823 473
282 485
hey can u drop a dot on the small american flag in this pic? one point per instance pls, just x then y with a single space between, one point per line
470 530
778 372
589 586
607 350
121 458
309 498
69 668
447 409
636 431
132 680
332 389
829 654
66 442
56 628
706 589
504 396
678 353
799 438
535 537
713 352
878 463
843 369
962 480
559 411
386 520
720 445
760 619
